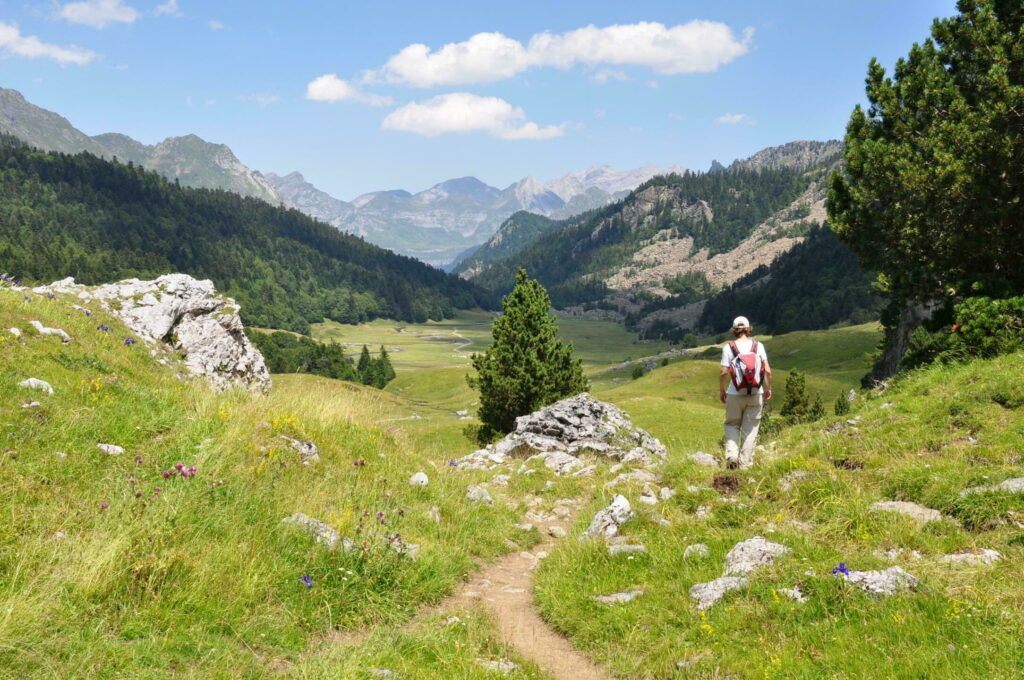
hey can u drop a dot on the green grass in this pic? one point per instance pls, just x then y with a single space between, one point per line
946 428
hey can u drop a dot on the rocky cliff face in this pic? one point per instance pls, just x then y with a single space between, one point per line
185 315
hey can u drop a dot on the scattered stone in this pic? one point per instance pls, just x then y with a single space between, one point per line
888 404
705 459
632 476
419 479
648 497
693 488
794 593
434 514
702 512
464 413
626 549
503 666
43 330
561 463
322 532
190 317
501 480
308 452
452 621
556 531
1015 485
752 554
707 594
382 673
111 449
570 427
525 526
31 404
697 551
618 598
916 512
851 395
666 493
885 582
607 522
16 332
585 472
973 558
896 553
478 494
788 480
36 384
404 548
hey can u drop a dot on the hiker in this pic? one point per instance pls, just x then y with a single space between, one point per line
744 384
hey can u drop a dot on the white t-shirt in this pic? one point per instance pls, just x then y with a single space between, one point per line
743 344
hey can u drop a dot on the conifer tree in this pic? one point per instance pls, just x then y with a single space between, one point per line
387 370
797 405
527 367
842 405
817 408
363 365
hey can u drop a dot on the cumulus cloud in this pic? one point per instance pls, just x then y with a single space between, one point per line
734 119
14 43
169 8
607 75
330 88
462 112
98 13
694 47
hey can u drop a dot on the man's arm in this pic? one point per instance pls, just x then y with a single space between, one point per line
723 382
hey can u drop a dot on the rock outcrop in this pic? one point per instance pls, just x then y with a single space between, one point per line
607 522
187 315
558 433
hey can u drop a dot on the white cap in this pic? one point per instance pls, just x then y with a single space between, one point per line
740 322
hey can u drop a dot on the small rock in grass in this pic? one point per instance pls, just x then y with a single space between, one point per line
500 480
884 582
16 332
707 594
634 476
666 493
1015 485
607 522
36 384
321 531
31 404
705 459
452 621
382 673
702 512
434 514
503 666
308 452
693 488
752 554
478 494
585 472
970 558
916 512
556 531
626 549
648 497
43 330
419 479
697 550
794 593
562 463
111 449
619 598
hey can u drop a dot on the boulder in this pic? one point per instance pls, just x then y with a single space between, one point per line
707 594
974 558
1015 485
607 522
478 494
111 449
568 428
36 384
884 582
187 315
321 532
918 513
752 554
43 330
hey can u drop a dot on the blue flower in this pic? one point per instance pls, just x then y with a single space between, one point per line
308 581
103 327
129 341
841 569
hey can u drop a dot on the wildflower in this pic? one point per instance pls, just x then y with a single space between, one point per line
179 466
138 494
453 463
103 327
129 341
167 473
51 296
27 298
841 569
380 516
104 504
139 459
359 462
132 481
308 581
157 490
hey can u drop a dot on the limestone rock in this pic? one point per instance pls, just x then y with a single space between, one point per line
43 330
697 550
626 549
666 493
1015 485
308 452
884 582
322 532
36 384
974 559
478 494
752 554
707 594
503 666
607 522
16 332
643 476
111 449
918 513
566 429
419 479
619 598
190 317
382 673
556 531
794 593
705 459
648 497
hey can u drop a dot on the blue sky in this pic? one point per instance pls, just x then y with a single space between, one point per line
339 91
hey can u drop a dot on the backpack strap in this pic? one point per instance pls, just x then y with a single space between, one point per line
734 349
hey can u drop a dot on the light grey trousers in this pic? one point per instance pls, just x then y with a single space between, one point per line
742 421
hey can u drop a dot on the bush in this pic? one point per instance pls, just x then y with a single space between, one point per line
637 372
984 328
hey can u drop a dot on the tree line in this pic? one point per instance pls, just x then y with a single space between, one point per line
290 353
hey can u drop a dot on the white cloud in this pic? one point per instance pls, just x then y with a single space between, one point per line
694 47
215 25
734 119
31 47
606 75
260 99
98 13
169 8
462 112
676 116
330 88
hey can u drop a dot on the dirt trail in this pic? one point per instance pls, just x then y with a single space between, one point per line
505 589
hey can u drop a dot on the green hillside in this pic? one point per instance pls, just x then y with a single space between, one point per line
99 221
519 231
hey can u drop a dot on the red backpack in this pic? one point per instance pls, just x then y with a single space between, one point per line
746 368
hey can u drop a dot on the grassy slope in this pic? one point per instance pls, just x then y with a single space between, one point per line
202 578
944 431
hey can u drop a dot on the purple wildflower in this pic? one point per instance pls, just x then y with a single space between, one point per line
139 459
841 569
103 327
104 504
167 474
51 296
129 341
179 466
138 494
380 516
308 581
157 490
359 462
453 463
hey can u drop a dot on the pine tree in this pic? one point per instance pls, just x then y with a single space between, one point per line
842 405
797 405
527 367
363 366
387 370
817 409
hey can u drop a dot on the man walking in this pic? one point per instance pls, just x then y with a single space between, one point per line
744 384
